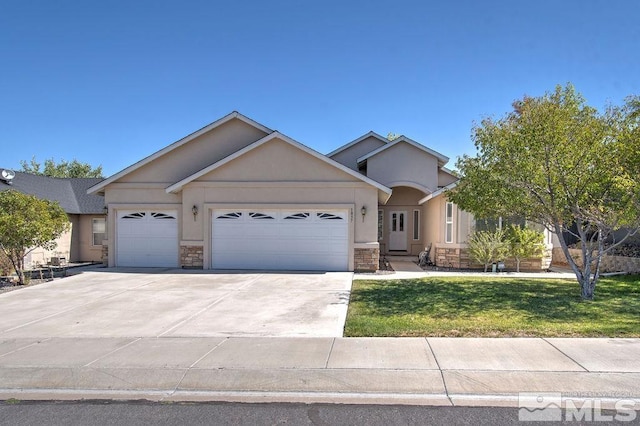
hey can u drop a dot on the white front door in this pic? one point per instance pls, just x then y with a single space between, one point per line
398 235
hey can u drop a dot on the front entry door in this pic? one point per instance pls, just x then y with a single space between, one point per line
398 236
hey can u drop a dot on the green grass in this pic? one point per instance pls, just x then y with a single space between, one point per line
487 307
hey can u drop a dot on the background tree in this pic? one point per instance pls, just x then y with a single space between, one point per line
559 162
62 169
27 222
486 247
524 243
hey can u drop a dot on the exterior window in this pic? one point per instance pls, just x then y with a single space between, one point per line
98 229
380 224
448 230
394 222
401 223
416 224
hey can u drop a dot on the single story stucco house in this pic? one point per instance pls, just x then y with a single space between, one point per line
86 213
238 195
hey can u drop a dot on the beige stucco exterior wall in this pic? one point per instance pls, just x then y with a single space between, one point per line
274 175
404 164
197 154
434 224
445 178
349 156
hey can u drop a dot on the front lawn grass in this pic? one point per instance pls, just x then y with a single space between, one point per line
493 307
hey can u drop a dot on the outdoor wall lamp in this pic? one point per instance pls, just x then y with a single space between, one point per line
105 210
363 211
194 210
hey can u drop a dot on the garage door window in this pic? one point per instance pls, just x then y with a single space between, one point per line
297 216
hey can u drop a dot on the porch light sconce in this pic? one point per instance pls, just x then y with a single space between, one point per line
363 211
105 210
194 210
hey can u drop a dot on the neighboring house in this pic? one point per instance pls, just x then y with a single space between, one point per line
83 241
238 195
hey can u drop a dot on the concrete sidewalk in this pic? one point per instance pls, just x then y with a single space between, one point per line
425 371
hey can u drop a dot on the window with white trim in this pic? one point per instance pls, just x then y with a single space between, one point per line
448 229
98 230
416 224
380 224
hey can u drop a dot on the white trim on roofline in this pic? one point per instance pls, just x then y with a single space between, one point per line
446 170
356 141
437 193
442 158
184 140
179 185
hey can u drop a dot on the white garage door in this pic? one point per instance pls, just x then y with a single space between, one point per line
147 238
280 240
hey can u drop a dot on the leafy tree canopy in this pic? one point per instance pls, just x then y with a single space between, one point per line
558 162
27 222
62 169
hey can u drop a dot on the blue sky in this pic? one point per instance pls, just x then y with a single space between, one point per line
112 82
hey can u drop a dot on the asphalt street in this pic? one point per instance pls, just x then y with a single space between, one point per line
94 413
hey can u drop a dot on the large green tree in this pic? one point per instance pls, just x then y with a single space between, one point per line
27 222
561 163
61 169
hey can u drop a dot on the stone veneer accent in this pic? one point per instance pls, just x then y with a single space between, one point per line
366 259
105 255
458 258
630 265
191 257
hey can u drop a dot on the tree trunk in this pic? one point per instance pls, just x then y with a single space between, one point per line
485 267
517 264
583 274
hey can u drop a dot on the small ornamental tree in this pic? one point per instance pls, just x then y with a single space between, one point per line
27 222
486 247
561 163
524 243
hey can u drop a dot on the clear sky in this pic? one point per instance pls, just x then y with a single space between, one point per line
114 81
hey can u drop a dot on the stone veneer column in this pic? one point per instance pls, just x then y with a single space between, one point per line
366 259
191 257
105 254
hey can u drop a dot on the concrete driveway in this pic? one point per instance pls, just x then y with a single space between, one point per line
177 303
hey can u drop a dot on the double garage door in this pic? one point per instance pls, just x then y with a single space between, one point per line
241 239
280 240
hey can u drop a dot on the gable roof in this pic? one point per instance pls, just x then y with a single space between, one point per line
438 192
179 185
70 193
179 143
356 141
442 159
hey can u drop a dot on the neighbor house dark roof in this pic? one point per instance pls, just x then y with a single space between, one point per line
70 193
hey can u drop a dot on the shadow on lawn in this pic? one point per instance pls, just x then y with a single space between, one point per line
541 299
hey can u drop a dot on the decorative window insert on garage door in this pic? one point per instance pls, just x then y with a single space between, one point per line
280 240
147 238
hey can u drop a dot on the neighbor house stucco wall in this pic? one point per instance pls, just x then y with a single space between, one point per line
87 252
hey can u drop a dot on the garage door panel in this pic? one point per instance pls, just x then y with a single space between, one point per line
278 239
147 239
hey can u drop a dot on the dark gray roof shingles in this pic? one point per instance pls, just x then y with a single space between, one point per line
70 193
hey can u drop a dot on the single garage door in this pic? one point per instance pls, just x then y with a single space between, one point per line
147 238
280 240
